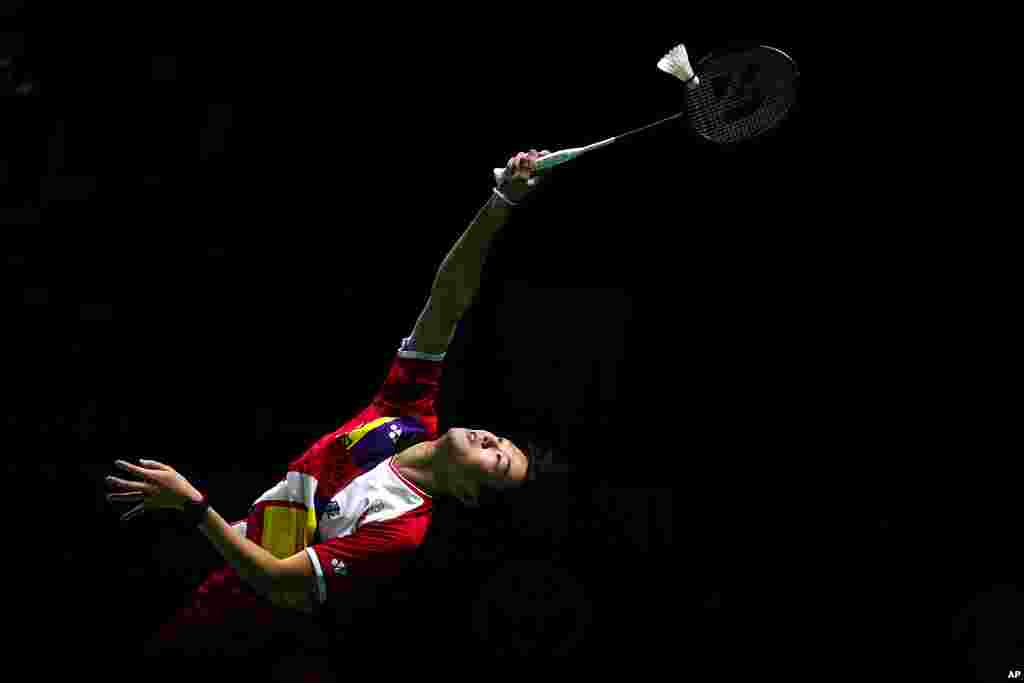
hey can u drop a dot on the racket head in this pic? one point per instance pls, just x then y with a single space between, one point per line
743 92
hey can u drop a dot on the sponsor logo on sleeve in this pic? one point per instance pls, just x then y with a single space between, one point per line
339 567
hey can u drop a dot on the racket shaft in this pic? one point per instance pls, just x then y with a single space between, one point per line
549 161
564 155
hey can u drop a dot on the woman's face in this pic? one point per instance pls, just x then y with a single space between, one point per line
486 459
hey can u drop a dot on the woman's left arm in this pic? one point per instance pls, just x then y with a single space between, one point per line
163 487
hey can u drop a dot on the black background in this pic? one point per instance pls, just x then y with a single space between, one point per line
219 229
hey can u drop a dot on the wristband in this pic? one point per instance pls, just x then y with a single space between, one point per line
194 513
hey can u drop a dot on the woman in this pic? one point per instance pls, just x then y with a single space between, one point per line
350 512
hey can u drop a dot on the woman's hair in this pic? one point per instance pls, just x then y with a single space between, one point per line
529 449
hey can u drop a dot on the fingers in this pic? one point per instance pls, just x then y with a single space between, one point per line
114 482
134 469
136 496
133 513
514 166
127 491
153 464
523 164
126 496
132 491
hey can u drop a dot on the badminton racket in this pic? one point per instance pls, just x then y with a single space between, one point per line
733 95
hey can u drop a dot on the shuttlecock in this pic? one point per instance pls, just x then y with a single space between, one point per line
677 63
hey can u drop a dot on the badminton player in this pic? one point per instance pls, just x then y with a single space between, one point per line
351 510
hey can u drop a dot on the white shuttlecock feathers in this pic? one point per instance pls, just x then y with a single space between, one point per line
677 63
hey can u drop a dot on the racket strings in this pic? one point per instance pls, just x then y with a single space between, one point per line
712 115
704 94
721 118
713 108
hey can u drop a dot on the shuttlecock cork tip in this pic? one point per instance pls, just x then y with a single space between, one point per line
677 63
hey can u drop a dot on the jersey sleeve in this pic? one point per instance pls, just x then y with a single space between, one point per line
412 384
376 552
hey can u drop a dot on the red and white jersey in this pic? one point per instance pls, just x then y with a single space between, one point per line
344 500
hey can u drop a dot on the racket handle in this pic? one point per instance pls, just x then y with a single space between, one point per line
549 161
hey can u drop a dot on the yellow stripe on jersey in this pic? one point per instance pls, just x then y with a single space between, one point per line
353 437
285 530
310 526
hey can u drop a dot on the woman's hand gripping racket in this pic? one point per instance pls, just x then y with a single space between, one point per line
519 176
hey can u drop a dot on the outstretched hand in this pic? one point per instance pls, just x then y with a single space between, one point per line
161 487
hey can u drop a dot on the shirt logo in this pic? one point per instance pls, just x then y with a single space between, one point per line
333 509
339 568
375 507
394 431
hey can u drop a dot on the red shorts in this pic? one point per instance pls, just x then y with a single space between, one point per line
224 617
